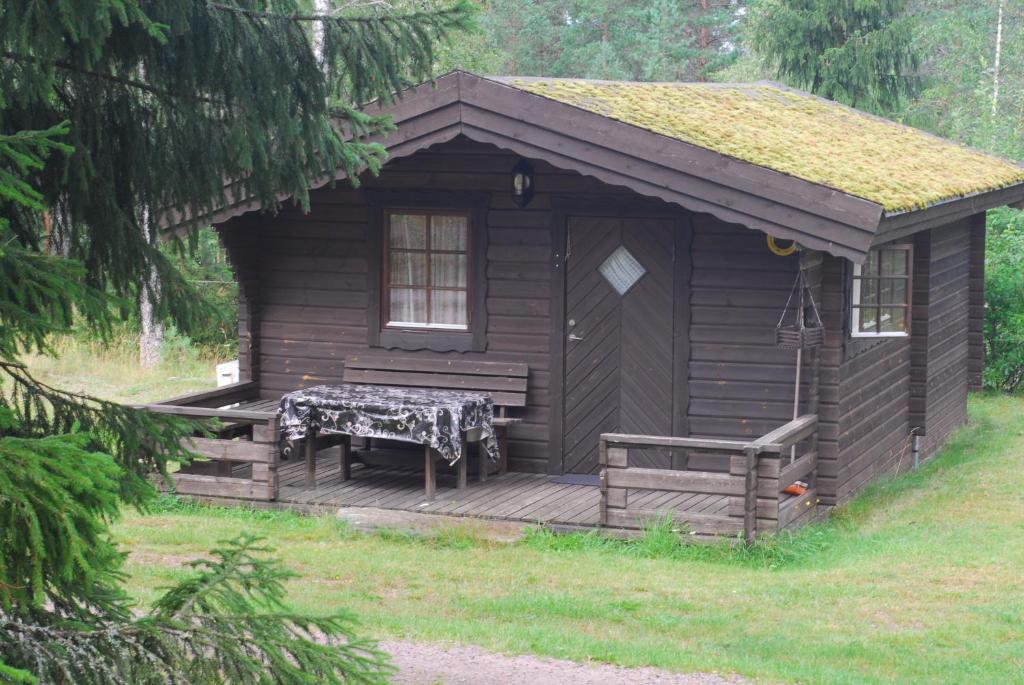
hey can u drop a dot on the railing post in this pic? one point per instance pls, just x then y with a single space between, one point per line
602 481
268 434
750 499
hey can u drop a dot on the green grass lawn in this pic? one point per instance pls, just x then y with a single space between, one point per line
919 580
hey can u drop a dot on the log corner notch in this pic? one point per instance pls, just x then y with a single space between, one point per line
749 487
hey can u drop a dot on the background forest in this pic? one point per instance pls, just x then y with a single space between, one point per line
960 67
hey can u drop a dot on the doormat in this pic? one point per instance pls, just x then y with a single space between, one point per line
576 479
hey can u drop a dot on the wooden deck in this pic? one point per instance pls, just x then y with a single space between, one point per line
745 494
527 497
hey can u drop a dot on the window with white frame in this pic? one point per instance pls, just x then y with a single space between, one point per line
427 284
880 299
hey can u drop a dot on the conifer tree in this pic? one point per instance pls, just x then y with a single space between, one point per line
114 115
859 52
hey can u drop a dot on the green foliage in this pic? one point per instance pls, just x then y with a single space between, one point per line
224 622
71 559
1004 301
205 267
166 103
642 40
859 52
958 43
114 115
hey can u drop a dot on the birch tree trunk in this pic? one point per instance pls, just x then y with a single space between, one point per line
151 338
998 60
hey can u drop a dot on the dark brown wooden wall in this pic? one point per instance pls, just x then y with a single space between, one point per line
941 329
304 308
313 276
741 384
873 415
976 323
888 387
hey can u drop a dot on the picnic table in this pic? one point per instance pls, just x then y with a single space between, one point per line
443 421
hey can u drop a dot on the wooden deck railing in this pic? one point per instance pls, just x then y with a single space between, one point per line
247 437
752 475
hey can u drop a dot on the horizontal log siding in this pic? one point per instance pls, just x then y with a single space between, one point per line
832 302
741 384
313 275
874 414
976 303
944 356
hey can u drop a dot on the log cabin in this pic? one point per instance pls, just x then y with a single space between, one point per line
638 251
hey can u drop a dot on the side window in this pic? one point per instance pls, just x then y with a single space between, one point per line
880 299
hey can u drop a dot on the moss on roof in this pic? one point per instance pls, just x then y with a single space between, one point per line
898 167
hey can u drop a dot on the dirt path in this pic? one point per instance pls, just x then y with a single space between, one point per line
426 664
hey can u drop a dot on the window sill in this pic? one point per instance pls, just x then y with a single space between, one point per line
871 336
435 340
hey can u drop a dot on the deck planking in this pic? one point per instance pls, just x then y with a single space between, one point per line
526 497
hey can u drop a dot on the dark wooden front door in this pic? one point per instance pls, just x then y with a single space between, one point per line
619 334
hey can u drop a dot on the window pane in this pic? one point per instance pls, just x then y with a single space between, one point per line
448 270
408 306
868 291
868 319
408 268
449 307
894 291
894 262
409 231
449 233
894 320
870 267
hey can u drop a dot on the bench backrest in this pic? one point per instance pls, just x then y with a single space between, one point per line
505 383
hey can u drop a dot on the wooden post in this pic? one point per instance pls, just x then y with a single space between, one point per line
346 457
269 435
750 499
311 459
463 464
602 481
429 473
813 402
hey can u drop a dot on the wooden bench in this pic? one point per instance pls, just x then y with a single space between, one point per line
504 382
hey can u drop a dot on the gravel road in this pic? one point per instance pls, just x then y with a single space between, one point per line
426 664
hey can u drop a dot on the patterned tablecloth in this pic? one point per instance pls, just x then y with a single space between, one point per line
421 415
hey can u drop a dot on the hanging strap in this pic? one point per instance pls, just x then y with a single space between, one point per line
788 301
800 282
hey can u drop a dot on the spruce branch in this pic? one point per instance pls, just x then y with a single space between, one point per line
225 622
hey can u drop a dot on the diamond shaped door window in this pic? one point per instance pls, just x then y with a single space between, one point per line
622 270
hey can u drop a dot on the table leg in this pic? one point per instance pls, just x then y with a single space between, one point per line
463 465
346 457
502 433
484 461
429 473
311 460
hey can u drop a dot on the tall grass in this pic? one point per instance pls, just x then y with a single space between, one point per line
110 369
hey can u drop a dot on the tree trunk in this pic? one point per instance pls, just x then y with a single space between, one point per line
151 339
998 60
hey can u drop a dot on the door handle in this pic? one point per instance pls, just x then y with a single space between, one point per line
575 338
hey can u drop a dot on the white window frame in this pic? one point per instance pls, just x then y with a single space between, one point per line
855 308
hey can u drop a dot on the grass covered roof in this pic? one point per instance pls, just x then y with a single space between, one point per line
896 166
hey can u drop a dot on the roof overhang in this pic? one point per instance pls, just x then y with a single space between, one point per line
697 179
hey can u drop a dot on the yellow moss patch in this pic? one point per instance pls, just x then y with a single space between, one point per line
898 167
